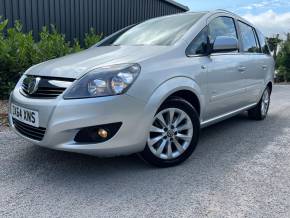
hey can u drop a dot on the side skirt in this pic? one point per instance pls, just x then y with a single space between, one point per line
225 116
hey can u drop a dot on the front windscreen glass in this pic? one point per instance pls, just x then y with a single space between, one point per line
159 31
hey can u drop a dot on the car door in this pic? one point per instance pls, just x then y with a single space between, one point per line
256 65
225 72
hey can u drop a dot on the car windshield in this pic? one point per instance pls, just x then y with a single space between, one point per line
159 31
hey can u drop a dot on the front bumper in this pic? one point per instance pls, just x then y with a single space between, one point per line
64 118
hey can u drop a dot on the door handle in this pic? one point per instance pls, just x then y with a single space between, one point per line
264 67
242 69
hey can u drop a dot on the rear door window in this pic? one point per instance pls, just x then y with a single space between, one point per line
248 37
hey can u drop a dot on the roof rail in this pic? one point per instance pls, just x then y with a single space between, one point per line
224 11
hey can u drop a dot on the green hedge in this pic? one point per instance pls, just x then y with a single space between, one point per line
19 51
283 61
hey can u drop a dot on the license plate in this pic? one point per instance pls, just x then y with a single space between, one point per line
25 115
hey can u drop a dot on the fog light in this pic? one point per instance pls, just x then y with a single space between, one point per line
97 134
103 133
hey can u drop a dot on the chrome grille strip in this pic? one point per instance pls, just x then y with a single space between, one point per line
47 87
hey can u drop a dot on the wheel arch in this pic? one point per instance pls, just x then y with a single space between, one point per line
270 85
183 87
187 95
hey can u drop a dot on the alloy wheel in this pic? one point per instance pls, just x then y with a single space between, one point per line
265 102
170 134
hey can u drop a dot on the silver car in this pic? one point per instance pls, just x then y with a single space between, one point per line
147 89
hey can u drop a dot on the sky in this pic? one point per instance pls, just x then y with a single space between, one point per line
270 16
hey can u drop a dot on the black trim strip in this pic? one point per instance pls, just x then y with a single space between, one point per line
29 131
29 126
54 78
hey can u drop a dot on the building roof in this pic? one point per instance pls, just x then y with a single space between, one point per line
176 4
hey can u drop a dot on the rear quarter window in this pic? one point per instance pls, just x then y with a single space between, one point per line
263 43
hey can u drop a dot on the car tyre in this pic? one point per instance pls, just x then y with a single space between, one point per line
261 110
176 124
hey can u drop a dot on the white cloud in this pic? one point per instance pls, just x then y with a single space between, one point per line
271 23
249 7
265 4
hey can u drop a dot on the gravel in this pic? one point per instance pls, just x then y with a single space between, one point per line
3 106
3 115
241 168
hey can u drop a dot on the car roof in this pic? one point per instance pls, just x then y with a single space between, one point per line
207 14
225 12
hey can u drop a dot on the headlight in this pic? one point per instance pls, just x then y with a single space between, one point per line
105 81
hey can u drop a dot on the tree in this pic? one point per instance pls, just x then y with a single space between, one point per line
273 43
283 60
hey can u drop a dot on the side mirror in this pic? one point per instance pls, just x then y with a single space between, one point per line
225 44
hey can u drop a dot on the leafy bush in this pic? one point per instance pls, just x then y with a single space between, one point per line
51 45
76 47
19 51
283 61
283 75
91 38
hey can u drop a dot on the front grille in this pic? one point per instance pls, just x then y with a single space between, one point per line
43 92
48 87
32 132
